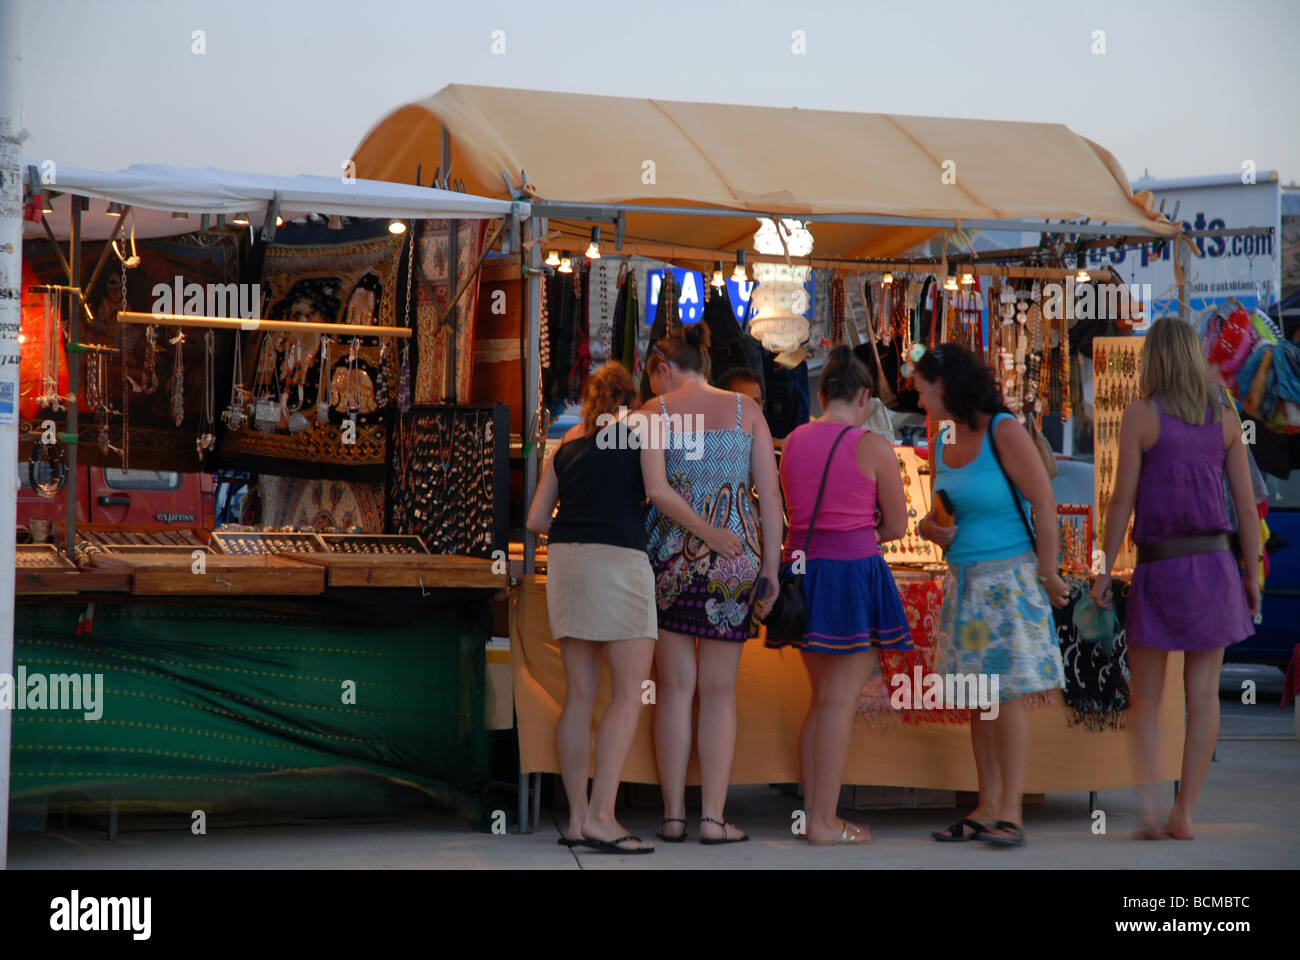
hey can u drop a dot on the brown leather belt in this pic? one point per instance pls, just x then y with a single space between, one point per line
1182 547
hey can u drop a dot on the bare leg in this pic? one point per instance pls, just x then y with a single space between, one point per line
808 733
983 741
573 733
841 679
1011 730
719 663
1147 671
675 665
1201 678
629 665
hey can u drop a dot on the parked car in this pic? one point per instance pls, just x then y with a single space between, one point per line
114 495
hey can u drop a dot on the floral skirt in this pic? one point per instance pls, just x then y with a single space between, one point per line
701 594
996 620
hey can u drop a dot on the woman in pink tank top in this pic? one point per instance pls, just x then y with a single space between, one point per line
853 605
1188 591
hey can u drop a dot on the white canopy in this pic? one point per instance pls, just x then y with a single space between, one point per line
156 191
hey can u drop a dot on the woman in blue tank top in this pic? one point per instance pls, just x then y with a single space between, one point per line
996 620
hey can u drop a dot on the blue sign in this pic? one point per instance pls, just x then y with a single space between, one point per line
691 295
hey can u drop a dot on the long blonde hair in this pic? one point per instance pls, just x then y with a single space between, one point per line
1175 372
605 391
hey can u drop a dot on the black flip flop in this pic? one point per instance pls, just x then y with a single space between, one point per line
1017 838
612 846
566 842
718 841
957 832
666 839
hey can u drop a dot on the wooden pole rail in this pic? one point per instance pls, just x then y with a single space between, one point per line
237 323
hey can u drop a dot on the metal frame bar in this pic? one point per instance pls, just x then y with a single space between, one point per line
236 323
610 212
74 379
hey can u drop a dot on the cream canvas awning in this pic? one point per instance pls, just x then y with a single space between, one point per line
585 149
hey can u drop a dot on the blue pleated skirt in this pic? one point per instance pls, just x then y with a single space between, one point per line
853 606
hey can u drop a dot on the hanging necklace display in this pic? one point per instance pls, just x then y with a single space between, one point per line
381 375
322 384
295 375
52 337
236 415
1034 361
49 456
207 439
178 377
266 412
353 390
149 379
404 378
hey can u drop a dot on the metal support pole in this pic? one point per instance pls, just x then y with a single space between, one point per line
74 378
11 257
1092 802
537 800
523 803
532 319
1183 254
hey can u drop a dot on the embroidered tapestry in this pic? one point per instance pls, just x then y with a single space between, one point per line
433 294
317 403
325 506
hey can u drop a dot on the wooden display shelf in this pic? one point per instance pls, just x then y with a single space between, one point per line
403 570
42 570
155 574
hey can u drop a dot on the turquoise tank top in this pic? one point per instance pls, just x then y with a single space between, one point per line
988 525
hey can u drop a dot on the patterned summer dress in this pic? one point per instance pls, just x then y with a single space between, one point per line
698 593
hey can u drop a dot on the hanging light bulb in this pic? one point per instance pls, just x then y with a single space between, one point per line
279 222
396 226
951 283
47 201
593 248
553 259
566 264
780 300
180 216
739 274
718 280
967 278
115 210
1083 276
240 219
887 278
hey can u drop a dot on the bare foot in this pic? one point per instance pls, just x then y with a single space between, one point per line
603 831
709 830
1177 827
819 834
672 828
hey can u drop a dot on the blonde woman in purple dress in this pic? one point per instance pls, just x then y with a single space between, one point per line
1189 593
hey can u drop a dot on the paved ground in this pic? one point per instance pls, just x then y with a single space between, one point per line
1246 820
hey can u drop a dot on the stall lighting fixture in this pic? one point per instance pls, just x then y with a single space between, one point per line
396 226
951 283
739 274
240 219
47 202
967 279
1083 276
593 248
115 210
566 265
279 221
180 216
718 280
553 259
888 278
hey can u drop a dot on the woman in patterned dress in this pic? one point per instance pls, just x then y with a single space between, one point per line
1001 586
706 446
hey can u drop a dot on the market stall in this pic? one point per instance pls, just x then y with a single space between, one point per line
685 183
329 653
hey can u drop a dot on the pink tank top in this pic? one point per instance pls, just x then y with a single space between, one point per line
846 523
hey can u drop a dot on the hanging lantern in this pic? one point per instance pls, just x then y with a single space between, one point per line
780 300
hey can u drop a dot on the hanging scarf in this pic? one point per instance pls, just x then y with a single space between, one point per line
1096 667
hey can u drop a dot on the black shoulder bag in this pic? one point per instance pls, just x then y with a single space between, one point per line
786 620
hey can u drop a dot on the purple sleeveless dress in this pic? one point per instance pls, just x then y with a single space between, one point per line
1195 602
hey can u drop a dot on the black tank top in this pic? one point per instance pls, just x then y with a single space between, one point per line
601 495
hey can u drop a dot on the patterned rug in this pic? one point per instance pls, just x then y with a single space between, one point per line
435 340
326 506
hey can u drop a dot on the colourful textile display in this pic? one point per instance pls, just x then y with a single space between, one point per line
326 506
436 339
339 283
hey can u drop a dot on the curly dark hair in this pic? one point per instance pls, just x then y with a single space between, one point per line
605 391
969 387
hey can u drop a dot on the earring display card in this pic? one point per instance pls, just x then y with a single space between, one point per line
449 477
1117 369
912 548
1075 526
253 543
